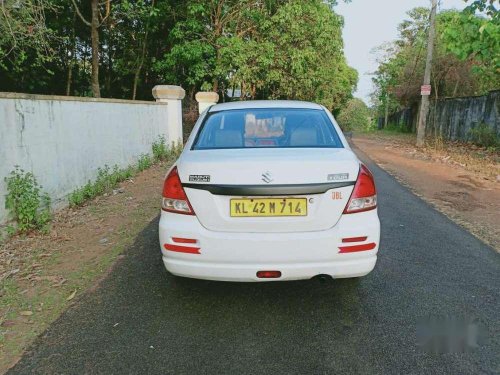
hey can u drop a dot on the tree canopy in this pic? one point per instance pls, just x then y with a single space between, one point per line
266 48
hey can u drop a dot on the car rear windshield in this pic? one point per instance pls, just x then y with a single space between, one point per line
267 128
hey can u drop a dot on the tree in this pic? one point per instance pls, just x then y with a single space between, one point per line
195 57
469 36
96 21
354 116
128 37
309 62
277 49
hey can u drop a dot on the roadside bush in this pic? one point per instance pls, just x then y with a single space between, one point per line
391 127
372 126
106 180
175 151
162 153
144 162
484 136
160 149
29 207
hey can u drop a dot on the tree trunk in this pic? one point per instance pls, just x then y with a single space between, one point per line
70 77
215 87
96 92
136 80
109 70
143 56
71 63
456 88
243 91
139 67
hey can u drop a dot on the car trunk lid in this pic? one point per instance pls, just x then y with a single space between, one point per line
323 176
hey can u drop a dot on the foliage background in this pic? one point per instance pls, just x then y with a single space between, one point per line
466 59
265 48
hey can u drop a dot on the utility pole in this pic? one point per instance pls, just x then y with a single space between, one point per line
425 90
386 117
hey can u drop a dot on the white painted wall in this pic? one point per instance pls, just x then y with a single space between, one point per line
64 140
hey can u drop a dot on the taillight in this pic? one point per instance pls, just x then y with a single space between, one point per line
269 274
174 196
364 195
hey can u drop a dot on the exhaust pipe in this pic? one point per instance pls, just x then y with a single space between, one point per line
323 278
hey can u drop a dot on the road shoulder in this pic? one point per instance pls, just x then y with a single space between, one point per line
41 275
469 198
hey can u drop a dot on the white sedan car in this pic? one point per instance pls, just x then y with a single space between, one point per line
268 190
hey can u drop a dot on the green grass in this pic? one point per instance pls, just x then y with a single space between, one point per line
108 178
144 162
161 152
395 128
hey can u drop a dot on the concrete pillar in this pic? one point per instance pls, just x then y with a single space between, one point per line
172 95
206 99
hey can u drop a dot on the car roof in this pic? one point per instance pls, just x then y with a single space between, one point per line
247 104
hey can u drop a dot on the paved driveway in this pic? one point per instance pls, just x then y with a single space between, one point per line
142 320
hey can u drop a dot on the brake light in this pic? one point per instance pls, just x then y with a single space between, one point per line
174 196
364 194
269 274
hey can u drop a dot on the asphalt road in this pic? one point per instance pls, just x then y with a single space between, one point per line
140 320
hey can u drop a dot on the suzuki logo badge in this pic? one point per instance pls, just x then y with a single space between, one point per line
267 177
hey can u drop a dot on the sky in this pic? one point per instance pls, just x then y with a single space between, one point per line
370 23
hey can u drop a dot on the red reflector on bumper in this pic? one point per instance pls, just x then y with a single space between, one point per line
183 240
354 248
182 249
354 239
268 274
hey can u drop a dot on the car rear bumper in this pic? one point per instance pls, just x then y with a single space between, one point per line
248 272
230 256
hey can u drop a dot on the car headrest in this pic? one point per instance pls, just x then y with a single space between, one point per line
234 121
228 138
304 136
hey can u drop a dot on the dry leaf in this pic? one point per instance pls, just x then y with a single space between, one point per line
26 313
56 285
71 296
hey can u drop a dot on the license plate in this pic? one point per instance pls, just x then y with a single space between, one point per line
265 207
